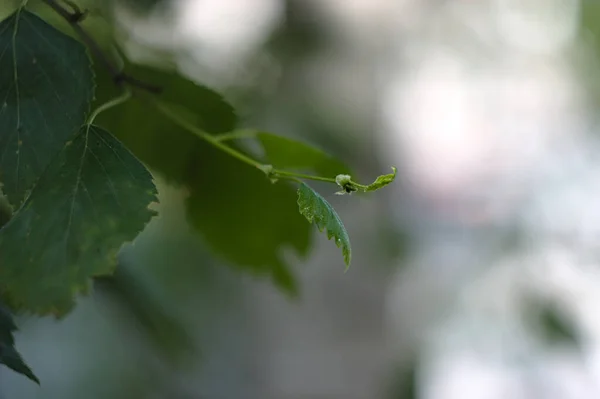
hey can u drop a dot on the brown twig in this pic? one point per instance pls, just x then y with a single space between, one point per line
77 15
118 76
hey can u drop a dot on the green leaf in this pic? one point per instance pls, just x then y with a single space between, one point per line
555 327
208 109
242 216
92 198
5 209
381 181
286 153
405 380
349 186
8 353
316 209
46 84
156 141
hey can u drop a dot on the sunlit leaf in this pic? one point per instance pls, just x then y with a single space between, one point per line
92 198
318 211
46 86
8 353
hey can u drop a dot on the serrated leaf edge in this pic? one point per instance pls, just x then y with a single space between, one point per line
341 242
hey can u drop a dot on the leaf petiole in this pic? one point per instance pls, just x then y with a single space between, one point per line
282 174
240 134
108 105
272 173
217 142
205 136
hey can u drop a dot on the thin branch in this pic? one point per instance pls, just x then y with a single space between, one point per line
240 134
78 14
74 18
283 174
216 142
207 137
108 105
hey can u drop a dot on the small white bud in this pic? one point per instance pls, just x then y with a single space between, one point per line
342 180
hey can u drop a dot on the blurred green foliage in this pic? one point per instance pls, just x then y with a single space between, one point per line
242 217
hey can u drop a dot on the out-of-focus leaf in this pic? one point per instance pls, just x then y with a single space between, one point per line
46 84
211 112
239 213
8 353
404 383
92 198
320 212
133 293
243 216
5 209
555 327
286 153
164 147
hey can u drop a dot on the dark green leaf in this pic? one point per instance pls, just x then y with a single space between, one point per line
8 353
243 216
5 209
209 110
555 327
239 213
286 153
405 380
93 197
47 86
165 148
316 209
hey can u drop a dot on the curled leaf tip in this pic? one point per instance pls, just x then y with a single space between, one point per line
382 181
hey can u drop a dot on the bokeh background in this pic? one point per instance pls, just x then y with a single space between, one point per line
476 275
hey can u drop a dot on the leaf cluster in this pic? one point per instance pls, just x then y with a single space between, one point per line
80 141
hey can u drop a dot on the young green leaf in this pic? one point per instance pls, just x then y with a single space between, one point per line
316 209
382 181
92 198
8 353
349 186
46 86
